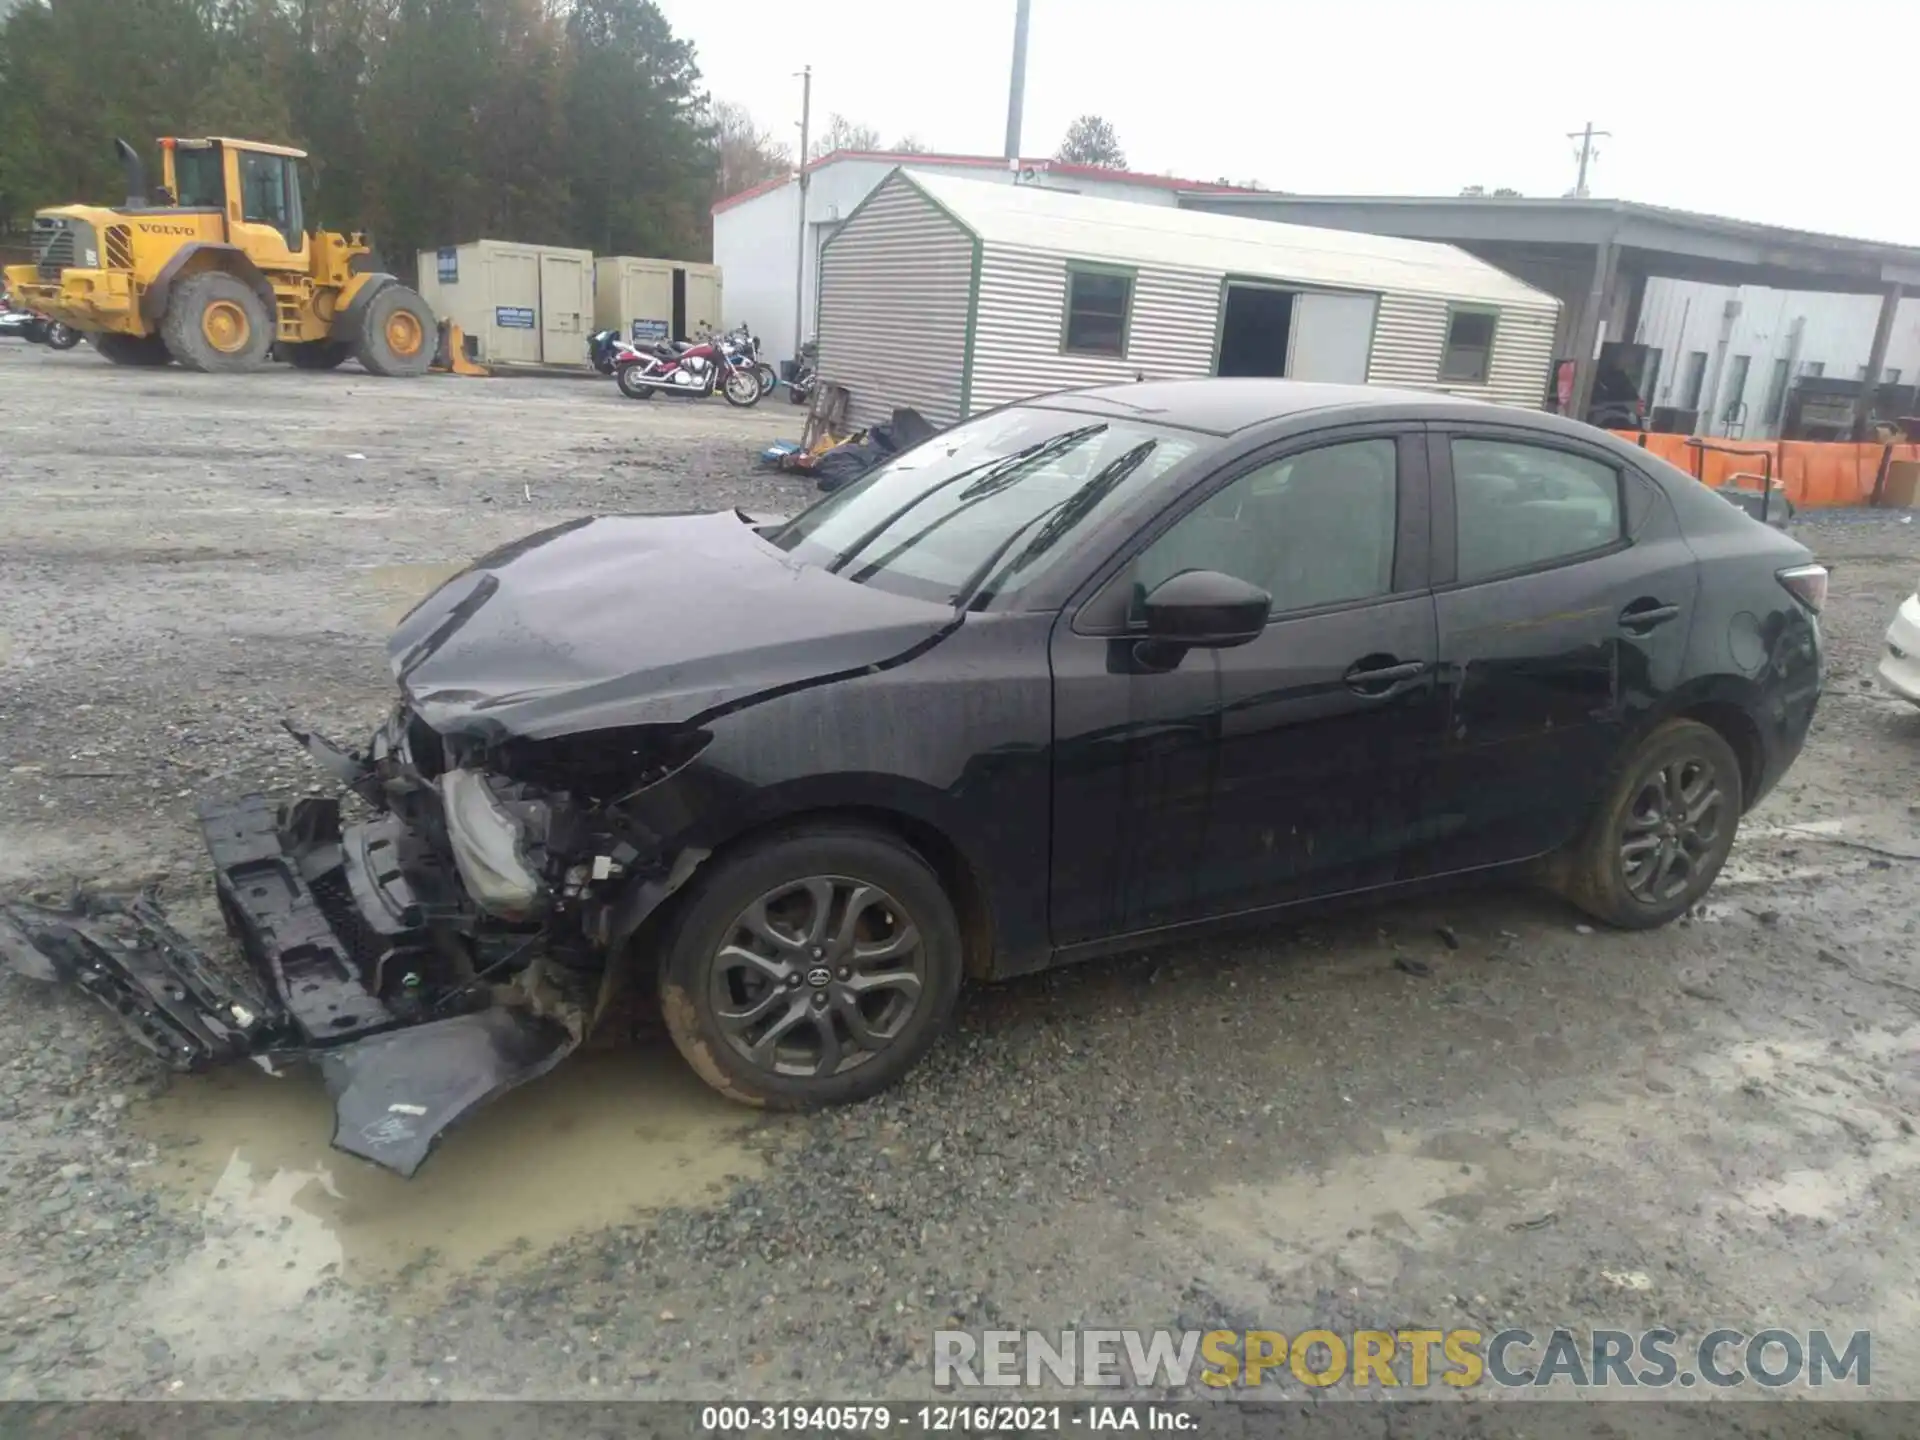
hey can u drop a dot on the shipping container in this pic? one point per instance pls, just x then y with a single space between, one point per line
518 304
648 300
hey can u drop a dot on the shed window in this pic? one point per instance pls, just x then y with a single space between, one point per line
1099 303
1469 354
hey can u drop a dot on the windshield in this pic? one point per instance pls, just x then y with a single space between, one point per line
984 507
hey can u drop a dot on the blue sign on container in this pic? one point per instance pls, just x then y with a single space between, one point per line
649 331
449 259
513 317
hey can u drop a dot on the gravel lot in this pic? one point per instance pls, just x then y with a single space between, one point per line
1705 1126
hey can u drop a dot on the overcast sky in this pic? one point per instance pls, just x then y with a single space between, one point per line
1750 110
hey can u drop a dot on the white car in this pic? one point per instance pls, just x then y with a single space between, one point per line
1900 664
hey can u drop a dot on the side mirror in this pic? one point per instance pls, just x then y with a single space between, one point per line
1207 609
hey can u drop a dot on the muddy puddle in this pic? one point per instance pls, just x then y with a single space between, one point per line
608 1136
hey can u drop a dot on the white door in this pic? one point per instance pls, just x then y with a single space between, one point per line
563 307
513 329
1332 337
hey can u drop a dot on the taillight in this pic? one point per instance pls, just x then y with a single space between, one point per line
1808 584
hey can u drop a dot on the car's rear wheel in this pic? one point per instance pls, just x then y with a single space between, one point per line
813 968
1662 832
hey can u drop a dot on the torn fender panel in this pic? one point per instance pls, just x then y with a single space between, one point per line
395 1094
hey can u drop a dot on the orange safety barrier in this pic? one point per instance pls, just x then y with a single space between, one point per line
1815 473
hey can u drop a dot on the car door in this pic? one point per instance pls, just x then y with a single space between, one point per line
1280 769
1564 591
269 225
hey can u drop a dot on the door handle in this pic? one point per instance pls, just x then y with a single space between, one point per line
1378 680
1643 615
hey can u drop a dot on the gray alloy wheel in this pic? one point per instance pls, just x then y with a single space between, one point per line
1661 832
817 976
810 967
1672 825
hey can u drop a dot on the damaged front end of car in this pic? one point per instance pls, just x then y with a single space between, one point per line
442 944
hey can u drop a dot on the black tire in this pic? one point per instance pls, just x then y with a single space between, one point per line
131 349
763 372
627 377
899 1004
397 334
61 337
1662 831
318 355
214 322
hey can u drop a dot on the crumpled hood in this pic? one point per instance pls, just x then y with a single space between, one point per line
638 619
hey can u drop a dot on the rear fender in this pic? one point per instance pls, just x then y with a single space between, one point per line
192 260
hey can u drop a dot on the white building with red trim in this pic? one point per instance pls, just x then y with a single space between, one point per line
756 233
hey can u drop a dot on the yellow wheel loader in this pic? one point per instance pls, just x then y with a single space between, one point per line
218 271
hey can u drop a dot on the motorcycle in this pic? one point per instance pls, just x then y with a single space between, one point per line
694 371
800 387
602 346
37 329
744 343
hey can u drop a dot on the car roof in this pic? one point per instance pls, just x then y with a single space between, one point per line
1227 406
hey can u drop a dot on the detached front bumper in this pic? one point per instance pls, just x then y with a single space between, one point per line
351 962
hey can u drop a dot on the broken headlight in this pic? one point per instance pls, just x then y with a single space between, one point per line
489 842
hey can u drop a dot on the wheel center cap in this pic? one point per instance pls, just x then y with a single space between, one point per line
819 977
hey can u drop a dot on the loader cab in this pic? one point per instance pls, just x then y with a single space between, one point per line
256 187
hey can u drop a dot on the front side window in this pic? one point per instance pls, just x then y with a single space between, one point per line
1313 529
1468 356
263 189
1518 506
985 507
1099 303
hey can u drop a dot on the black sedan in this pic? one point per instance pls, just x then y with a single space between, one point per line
1101 669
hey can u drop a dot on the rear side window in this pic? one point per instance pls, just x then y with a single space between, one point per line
1520 506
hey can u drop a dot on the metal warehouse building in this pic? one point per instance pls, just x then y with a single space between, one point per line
953 296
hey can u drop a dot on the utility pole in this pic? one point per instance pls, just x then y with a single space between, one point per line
1586 137
800 243
1017 92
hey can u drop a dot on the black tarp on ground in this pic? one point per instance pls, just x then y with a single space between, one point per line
849 462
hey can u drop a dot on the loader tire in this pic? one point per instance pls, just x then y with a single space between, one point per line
319 355
131 349
397 334
215 322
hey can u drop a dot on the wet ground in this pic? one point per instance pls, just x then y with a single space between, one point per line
1535 1124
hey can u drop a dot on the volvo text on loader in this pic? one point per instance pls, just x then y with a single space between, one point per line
218 271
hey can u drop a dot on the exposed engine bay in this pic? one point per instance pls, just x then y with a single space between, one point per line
443 947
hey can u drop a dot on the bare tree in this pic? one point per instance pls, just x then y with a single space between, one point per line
909 145
747 154
841 133
1091 141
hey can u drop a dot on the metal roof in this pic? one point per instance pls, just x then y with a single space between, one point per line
1127 233
1691 245
1040 165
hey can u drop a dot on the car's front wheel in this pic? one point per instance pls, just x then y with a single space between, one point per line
812 968
1662 832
